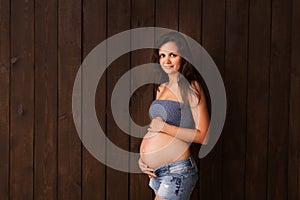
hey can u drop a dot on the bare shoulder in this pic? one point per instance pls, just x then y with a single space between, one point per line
198 92
160 89
162 86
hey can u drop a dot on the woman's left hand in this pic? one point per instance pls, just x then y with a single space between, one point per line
145 169
156 125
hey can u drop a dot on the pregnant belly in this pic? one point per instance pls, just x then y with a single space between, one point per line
159 149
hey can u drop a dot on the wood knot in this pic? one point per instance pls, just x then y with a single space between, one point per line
3 70
13 60
21 109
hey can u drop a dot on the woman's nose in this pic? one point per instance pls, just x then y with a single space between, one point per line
167 60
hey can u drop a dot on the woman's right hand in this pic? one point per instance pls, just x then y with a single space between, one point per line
145 169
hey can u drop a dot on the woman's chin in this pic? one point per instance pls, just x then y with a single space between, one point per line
169 70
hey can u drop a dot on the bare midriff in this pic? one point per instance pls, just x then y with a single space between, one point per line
158 149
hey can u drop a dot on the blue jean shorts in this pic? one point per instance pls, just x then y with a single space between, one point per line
176 180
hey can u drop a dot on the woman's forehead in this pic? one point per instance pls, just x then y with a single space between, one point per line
169 47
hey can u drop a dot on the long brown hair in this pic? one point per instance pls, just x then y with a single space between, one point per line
188 75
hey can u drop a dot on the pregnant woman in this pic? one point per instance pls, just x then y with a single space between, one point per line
179 117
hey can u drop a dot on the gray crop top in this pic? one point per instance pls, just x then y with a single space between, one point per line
172 112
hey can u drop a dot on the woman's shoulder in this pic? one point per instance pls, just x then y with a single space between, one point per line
159 89
197 94
162 86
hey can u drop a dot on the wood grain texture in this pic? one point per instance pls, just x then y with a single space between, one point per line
94 32
190 18
117 182
22 100
279 100
258 99
213 40
69 60
4 98
294 115
255 44
167 14
46 107
234 143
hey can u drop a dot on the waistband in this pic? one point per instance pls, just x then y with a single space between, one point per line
188 162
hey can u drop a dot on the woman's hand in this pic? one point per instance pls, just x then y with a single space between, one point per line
156 125
145 169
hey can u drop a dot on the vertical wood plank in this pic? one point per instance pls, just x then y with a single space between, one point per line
261 128
143 12
94 32
69 60
279 100
22 99
213 31
45 152
4 97
166 14
117 185
234 149
294 115
45 161
190 22
190 18
213 40
258 98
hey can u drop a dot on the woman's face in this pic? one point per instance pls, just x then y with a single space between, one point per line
169 58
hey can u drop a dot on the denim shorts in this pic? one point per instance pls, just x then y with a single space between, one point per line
176 180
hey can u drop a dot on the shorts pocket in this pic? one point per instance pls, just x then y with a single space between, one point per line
171 187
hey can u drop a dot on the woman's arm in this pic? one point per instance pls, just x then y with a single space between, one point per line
185 134
201 119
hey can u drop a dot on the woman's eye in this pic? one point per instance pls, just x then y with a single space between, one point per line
162 55
173 55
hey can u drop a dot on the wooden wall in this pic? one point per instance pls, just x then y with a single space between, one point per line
255 44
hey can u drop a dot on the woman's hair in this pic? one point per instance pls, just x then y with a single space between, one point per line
188 75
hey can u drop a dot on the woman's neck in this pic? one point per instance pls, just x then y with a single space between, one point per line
173 79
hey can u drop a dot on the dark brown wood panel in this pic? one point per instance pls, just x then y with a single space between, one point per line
143 12
166 14
22 99
257 100
213 40
279 99
4 97
190 18
45 145
294 115
69 60
94 32
234 141
117 182
255 45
